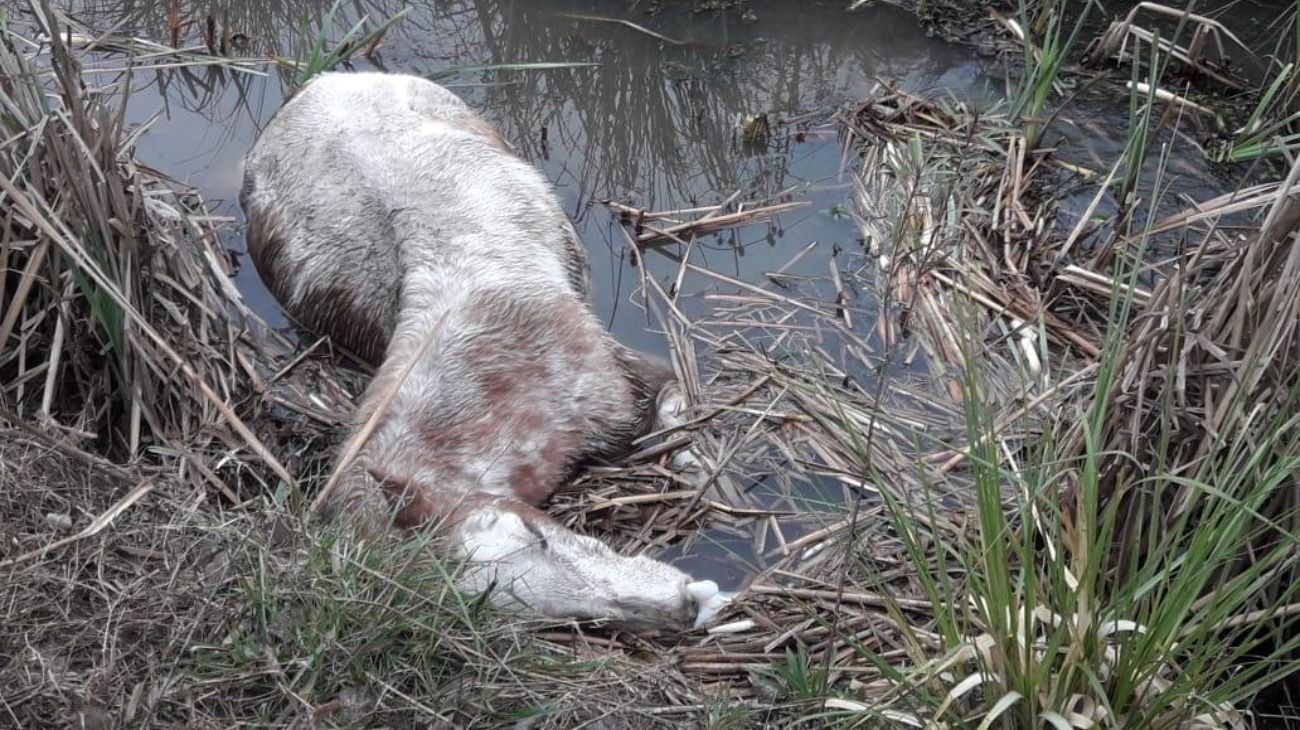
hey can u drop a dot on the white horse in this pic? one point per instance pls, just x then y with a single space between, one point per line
383 212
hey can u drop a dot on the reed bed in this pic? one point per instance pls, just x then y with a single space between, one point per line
1128 553
1015 519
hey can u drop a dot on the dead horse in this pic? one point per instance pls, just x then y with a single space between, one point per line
385 213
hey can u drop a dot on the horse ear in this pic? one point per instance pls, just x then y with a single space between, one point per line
647 374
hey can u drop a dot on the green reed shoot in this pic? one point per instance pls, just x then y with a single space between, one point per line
316 52
1043 61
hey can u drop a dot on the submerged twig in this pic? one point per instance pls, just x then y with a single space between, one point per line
626 23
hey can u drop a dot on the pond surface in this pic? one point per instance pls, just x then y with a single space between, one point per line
654 124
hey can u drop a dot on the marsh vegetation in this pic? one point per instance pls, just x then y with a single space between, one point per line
1007 439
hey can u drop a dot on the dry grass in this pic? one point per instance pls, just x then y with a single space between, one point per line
183 614
110 262
96 631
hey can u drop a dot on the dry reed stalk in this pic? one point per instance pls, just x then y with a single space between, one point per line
94 528
712 220
785 417
1113 42
124 303
1237 311
130 53
626 23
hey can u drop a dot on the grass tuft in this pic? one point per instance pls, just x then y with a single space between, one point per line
1046 47
316 51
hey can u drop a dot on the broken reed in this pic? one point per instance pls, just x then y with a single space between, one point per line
118 322
1162 592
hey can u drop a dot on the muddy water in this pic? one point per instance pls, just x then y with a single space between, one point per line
653 124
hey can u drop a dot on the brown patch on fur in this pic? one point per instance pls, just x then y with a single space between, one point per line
332 310
512 383
264 246
417 508
534 447
531 419
514 387
418 505
445 442
528 484
326 308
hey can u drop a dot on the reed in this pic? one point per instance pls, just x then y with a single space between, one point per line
1105 608
1131 553
1046 47
1270 129
316 51
113 265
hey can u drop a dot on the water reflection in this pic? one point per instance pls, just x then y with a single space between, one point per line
653 119
654 122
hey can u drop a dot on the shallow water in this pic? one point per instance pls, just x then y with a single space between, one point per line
654 124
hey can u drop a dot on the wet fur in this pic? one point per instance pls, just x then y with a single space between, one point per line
381 209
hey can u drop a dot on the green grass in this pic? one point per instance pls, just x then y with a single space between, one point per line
1046 47
1114 602
317 51
799 678
1268 130
334 621
1141 110
1109 606
1142 119
334 615
724 714
1271 128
